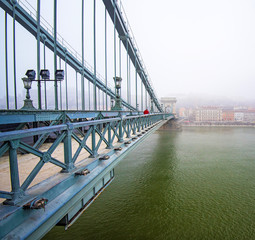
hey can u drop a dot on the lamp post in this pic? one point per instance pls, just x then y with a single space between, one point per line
118 105
27 81
45 75
162 106
112 102
152 109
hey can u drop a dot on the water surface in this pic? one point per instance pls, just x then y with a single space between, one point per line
195 184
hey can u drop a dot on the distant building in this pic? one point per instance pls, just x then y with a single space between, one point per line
240 108
249 116
183 112
208 114
239 116
191 114
228 115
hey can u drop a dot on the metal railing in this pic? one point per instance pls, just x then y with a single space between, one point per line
67 134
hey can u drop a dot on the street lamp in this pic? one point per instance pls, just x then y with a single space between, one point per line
59 75
27 81
118 104
45 75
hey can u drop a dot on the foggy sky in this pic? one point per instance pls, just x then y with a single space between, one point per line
197 47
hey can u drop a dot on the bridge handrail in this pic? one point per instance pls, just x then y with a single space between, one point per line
13 141
17 134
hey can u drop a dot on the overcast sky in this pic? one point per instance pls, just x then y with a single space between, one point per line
197 46
190 47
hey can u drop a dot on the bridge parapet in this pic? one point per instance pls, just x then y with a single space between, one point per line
98 131
118 135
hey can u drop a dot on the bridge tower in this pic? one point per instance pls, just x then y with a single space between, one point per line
169 104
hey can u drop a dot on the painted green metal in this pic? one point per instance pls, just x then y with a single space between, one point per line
6 62
115 13
55 53
141 96
114 37
76 93
14 54
67 190
95 62
68 148
66 131
136 102
38 54
128 100
14 144
44 66
82 52
60 85
120 58
66 83
29 23
105 39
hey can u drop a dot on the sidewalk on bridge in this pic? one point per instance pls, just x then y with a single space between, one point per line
27 162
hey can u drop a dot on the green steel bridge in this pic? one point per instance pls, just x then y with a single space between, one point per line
62 136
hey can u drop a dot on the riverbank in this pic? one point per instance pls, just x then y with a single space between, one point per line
216 125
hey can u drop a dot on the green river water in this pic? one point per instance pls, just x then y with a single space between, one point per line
198 183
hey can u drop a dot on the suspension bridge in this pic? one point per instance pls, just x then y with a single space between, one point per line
62 134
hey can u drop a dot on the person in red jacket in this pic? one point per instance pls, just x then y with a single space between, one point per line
146 111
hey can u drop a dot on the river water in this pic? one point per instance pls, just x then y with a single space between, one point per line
198 183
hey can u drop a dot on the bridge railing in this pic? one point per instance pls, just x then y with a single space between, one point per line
70 139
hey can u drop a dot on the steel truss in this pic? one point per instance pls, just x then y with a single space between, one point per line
104 130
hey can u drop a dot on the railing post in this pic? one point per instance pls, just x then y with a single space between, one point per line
139 125
134 125
142 120
93 141
128 128
109 146
14 170
121 130
68 148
